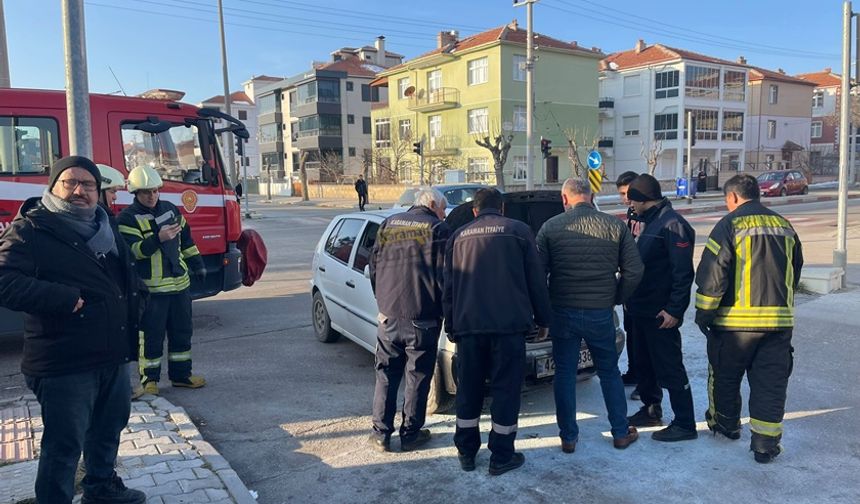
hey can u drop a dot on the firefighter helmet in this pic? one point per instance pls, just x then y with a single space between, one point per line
143 177
111 177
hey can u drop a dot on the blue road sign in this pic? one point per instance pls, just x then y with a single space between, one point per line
594 160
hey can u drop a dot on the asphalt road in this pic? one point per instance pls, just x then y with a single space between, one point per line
292 414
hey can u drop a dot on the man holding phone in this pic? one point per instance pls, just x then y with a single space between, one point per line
160 239
657 309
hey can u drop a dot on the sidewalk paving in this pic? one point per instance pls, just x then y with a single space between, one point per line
161 453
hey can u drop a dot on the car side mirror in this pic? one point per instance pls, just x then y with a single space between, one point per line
367 272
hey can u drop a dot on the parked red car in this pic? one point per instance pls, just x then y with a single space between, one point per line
783 183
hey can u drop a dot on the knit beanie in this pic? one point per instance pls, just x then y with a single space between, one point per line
644 188
74 162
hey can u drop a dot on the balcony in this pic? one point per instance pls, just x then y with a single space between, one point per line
443 145
432 101
606 106
606 144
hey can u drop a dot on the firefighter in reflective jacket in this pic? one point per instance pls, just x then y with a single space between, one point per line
746 280
160 239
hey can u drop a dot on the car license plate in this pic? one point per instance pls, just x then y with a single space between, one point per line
545 366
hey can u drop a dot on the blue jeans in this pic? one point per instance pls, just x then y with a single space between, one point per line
569 327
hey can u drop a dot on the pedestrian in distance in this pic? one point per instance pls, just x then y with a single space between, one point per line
747 277
361 189
111 182
239 191
70 272
593 265
495 294
657 310
160 239
701 181
631 376
406 276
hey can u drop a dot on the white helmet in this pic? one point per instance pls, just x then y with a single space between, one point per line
143 177
111 177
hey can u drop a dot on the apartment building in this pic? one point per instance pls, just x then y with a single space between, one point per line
824 136
779 120
470 88
324 114
645 93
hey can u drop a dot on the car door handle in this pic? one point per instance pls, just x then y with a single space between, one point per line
321 269
350 284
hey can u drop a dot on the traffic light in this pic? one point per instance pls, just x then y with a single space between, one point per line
240 147
545 147
416 147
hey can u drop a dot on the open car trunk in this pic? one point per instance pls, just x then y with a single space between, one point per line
532 207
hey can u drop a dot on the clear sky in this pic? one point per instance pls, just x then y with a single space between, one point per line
175 43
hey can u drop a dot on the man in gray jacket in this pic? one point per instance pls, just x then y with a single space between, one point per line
593 265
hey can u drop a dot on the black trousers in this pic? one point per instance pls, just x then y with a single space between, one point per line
170 315
404 347
362 200
81 412
631 347
501 358
660 364
767 359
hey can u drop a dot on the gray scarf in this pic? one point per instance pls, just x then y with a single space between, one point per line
92 224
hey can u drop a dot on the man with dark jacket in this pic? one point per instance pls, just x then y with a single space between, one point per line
64 266
631 377
657 309
592 263
749 271
361 189
495 293
406 275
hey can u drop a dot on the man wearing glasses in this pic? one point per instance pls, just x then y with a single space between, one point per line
160 240
62 264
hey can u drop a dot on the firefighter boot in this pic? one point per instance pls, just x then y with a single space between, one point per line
150 387
193 381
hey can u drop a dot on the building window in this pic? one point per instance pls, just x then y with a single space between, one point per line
631 85
733 126
666 84
434 126
269 133
267 104
768 161
402 84
666 127
734 85
631 126
771 130
519 68
478 120
320 125
243 115
818 98
773 94
520 164
816 129
365 125
707 124
383 133
434 80
352 152
479 170
369 94
520 118
479 71
350 119
702 82
349 86
405 129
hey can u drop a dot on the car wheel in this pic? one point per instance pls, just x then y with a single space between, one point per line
783 192
805 190
438 399
321 320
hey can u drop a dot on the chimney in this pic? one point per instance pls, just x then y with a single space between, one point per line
574 43
780 70
640 46
380 51
514 25
741 60
828 70
447 38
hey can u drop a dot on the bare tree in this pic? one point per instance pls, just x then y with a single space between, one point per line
499 144
331 166
650 153
303 173
577 139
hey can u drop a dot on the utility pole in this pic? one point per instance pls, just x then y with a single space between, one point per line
234 172
77 87
840 254
691 130
530 94
5 81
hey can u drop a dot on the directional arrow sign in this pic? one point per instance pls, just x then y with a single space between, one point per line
594 160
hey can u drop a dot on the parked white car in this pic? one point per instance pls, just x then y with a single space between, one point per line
344 303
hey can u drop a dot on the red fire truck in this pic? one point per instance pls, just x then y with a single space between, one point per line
177 139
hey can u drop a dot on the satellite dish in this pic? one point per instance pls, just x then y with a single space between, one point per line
613 65
409 91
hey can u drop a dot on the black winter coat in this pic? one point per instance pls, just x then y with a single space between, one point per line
44 268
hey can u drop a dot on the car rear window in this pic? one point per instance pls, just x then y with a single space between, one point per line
342 239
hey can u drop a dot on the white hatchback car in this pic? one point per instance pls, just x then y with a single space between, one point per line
344 303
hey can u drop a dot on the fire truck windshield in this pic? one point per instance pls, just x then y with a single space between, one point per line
176 153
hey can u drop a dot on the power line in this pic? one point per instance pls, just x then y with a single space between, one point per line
675 35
